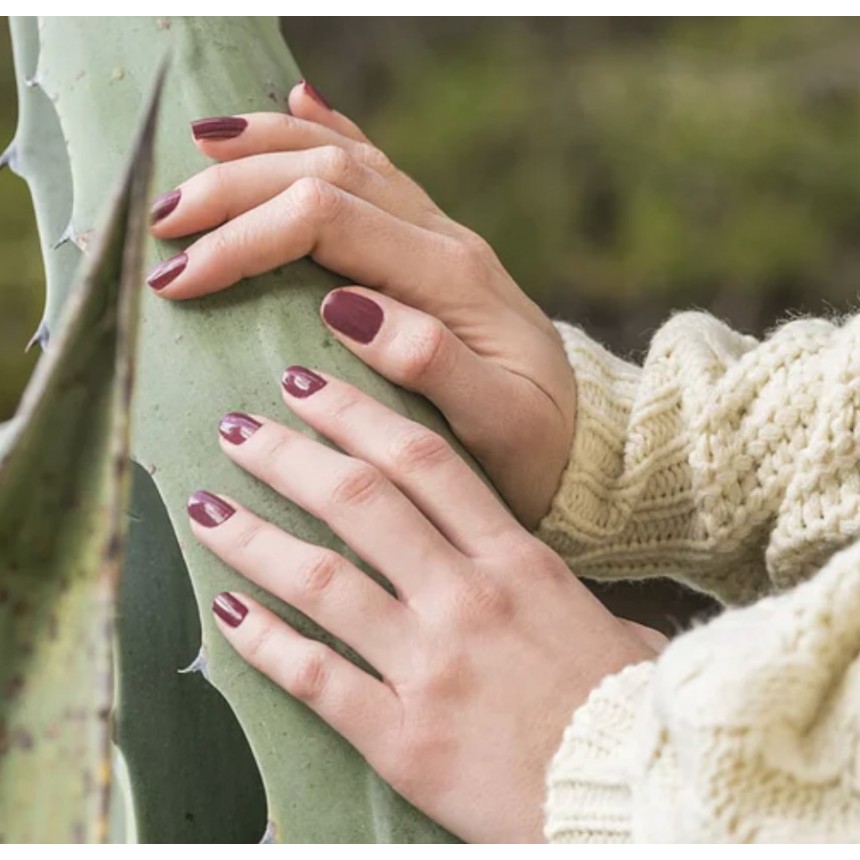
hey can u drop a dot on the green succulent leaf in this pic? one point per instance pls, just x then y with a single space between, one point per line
63 482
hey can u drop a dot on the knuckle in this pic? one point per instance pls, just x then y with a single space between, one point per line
471 259
336 164
340 412
418 449
275 455
315 200
410 763
215 180
481 602
478 246
255 651
248 537
318 574
356 485
311 674
375 159
444 675
525 553
423 353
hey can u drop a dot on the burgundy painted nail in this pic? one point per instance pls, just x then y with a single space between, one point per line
218 127
301 382
167 271
229 609
162 206
237 427
352 314
316 95
209 510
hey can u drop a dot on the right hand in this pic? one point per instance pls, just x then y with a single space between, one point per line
436 311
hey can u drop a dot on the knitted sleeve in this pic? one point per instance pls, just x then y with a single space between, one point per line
728 463
745 730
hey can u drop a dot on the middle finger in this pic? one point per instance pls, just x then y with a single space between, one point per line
340 231
354 498
225 190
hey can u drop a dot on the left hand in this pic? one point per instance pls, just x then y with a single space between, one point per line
486 649
433 309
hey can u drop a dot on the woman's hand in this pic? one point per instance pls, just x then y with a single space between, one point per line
436 312
485 651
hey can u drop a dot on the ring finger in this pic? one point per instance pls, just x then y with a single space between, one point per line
223 191
317 581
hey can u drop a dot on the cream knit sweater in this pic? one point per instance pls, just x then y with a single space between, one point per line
732 465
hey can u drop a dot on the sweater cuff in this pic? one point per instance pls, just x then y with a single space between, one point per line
585 512
589 780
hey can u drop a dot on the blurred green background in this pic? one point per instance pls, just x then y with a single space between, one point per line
621 168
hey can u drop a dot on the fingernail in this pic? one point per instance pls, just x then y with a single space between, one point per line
208 510
237 427
218 127
229 609
162 206
301 382
354 315
316 95
167 271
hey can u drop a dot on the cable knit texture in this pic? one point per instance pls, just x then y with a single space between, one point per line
734 466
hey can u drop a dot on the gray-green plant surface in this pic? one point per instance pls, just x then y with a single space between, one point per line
63 480
194 362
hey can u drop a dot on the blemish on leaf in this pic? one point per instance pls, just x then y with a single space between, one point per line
13 687
23 739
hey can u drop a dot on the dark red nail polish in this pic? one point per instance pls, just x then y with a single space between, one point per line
209 510
218 127
354 315
162 206
167 271
229 609
237 427
301 382
316 95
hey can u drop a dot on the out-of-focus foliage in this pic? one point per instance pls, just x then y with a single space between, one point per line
620 168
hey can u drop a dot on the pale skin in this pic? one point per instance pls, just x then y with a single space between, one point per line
489 643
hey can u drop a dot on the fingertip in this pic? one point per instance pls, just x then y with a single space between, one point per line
352 314
230 610
309 90
306 102
299 383
164 273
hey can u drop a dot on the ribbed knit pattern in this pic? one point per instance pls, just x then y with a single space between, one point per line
733 466
729 464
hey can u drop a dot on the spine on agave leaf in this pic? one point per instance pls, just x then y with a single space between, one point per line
187 773
63 482
196 362
38 154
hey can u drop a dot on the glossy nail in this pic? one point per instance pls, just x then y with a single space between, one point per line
301 382
162 206
218 127
237 427
229 609
315 94
167 271
354 315
208 510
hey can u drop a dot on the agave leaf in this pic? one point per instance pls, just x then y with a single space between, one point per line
170 787
190 772
63 482
203 358
38 154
